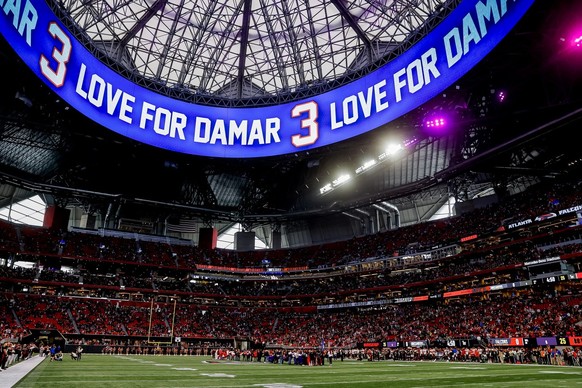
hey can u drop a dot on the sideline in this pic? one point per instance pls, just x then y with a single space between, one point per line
9 377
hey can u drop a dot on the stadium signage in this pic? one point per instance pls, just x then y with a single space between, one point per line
544 217
472 342
469 238
416 344
542 261
545 341
519 223
572 209
468 291
506 341
371 345
434 63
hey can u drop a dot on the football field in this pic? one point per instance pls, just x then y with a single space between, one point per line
176 371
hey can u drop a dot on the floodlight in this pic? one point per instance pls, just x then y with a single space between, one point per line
435 122
341 179
393 148
366 166
325 189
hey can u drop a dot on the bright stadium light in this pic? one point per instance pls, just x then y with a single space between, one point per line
435 122
341 179
331 186
325 189
392 149
409 142
366 166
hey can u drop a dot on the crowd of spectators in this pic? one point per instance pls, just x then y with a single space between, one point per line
221 308
468 268
10 329
540 312
75 244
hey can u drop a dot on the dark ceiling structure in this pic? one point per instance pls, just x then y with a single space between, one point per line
254 52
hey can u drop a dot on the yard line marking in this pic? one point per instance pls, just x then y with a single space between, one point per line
217 375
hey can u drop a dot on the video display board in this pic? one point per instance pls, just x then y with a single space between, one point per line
452 48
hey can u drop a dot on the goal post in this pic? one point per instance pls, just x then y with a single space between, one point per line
171 341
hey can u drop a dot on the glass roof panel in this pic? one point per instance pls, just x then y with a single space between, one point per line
238 48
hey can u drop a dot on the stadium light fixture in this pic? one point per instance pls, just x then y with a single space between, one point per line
341 179
325 189
435 122
409 142
392 149
366 166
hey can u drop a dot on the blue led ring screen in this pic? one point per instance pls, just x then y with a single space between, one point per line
452 48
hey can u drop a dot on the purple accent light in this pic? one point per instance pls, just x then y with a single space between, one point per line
436 122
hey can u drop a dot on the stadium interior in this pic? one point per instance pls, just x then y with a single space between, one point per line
126 258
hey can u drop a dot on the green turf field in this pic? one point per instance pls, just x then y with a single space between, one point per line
176 371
